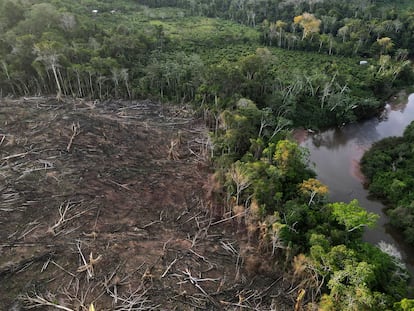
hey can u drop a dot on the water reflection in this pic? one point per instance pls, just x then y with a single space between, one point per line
336 153
391 122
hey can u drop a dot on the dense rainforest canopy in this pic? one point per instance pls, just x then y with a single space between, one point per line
212 52
254 69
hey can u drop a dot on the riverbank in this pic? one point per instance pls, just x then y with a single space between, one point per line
388 167
336 154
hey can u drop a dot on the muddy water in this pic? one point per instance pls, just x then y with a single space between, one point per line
336 154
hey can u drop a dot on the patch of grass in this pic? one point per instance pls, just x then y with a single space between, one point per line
196 32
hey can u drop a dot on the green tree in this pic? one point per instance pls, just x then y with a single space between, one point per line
11 13
352 215
48 53
42 17
350 289
237 127
238 175
313 190
289 157
404 305
309 23
386 44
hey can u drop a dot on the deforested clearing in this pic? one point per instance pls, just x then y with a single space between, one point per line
106 203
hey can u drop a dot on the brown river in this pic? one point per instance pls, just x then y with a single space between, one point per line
335 154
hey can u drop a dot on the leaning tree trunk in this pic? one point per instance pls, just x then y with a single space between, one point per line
59 93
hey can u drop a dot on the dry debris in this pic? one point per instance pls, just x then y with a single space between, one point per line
123 182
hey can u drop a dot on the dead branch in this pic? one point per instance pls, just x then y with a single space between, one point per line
201 233
39 301
114 281
229 248
9 198
247 299
2 139
203 227
18 155
211 265
75 132
199 303
120 185
229 218
79 293
108 281
195 280
169 267
35 224
164 247
198 255
63 269
12 267
64 210
135 301
173 153
88 266
159 221
150 224
175 143
31 170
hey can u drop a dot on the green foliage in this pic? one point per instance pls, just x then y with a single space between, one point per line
237 126
273 173
357 277
357 284
352 215
389 166
221 56
177 51
173 76
404 305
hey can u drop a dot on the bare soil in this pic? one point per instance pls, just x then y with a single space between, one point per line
105 203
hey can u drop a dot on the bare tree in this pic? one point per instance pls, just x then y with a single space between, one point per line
48 54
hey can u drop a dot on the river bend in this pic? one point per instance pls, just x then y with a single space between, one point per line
336 153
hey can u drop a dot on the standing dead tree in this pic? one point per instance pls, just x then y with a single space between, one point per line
175 143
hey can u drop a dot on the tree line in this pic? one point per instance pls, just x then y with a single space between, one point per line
345 27
129 50
286 214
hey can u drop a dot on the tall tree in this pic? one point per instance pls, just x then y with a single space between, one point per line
309 23
352 215
48 53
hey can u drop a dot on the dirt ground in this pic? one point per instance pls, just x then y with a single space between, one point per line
104 203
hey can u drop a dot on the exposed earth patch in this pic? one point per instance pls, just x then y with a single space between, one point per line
105 203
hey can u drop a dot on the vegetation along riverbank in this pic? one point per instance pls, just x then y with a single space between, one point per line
389 168
163 175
